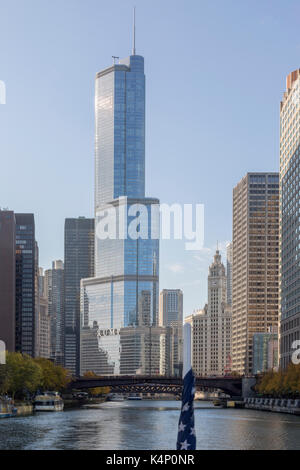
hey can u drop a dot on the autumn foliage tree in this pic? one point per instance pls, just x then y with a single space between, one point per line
282 383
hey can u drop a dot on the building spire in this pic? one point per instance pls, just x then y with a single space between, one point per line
133 47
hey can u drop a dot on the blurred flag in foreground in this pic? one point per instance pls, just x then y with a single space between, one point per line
186 430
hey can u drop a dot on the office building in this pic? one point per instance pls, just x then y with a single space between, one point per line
265 352
26 275
44 318
211 326
171 315
55 286
255 266
7 278
79 264
124 293
289 218
229 273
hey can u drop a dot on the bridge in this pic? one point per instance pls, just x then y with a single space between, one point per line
232 386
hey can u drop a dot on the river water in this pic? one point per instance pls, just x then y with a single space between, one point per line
149 425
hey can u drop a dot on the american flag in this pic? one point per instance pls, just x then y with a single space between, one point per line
186 430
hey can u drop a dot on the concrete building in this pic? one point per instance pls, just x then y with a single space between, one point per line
7 278
44 318
79 264
289 218
211 327
255 268
229 273
26 283
55 286
171 315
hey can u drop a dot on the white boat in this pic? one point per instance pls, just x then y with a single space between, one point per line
115 397
48 401
134 397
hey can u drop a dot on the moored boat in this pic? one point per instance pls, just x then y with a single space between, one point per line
48 401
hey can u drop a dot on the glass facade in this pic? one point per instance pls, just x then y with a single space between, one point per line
79 264
119 307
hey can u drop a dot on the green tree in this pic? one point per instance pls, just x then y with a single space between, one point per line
53 377
22 373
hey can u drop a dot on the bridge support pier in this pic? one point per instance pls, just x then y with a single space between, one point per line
248 384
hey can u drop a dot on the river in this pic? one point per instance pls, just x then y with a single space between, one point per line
149 425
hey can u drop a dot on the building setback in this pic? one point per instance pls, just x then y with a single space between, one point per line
255 268
289 218
7 278
25 284
79 264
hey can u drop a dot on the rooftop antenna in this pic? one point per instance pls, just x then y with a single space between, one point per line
133 48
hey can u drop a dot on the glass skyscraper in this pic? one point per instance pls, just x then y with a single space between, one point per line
119 307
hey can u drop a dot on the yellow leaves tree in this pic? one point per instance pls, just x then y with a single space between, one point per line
53 377
97 390
282 383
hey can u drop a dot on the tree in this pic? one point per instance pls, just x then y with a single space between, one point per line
53 377
97 390
23 375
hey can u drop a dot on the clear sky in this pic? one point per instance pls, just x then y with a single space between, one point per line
215 76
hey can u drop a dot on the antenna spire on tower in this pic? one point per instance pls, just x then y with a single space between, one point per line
133 48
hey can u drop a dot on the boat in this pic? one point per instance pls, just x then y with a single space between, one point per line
115 397
134 397
7 409
48 401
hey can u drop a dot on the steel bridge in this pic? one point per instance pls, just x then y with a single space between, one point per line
232 386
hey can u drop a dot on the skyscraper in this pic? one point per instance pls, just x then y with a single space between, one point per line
7 278
79 264
44 318
55 287
211 327
255 268
289 217
26 272
229 273
124 293
171 315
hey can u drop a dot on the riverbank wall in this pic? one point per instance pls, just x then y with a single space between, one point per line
276 405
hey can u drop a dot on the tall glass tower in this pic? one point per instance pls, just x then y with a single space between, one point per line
119 307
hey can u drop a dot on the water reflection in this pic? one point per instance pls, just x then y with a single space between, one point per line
149 425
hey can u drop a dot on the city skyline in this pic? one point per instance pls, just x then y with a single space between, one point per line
74 153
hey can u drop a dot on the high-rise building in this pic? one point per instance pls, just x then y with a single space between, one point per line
26 274
124 293
79 264
171 315
55 286
44 318
289 217
229 273
255 267
7 278
211 327
265 352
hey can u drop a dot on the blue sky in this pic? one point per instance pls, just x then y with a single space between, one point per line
215 76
